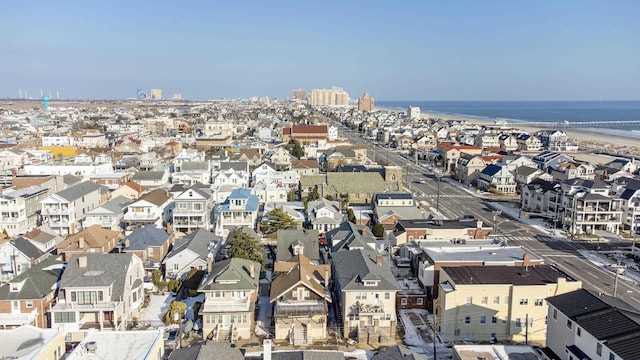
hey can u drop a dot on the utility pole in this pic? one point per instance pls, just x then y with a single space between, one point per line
495 220
615 282
526 329
438 196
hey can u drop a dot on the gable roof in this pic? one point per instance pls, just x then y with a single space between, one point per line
114 206
79 190
350 236
352 266
232 274
94 237
135 186
356 182
491 170
287 238
156 197
304 164
300 270
149 235
39 281
101 270
40 236
198 242
27 248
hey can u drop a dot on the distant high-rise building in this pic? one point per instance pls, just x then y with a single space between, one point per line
329 97
298 94
155 94
365 103
177 96
413 112
140 94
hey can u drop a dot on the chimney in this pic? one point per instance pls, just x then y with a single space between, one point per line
266 352
326 276
81 242
526 259
379 259
479 224
82 262
168 228
252 270
364 231
209 262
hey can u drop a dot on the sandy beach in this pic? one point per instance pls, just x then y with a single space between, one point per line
585 139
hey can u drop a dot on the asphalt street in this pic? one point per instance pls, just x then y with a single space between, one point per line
452 202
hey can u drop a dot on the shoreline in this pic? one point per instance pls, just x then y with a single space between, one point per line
586 139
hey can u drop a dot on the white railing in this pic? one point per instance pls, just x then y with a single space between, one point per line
226 306
18 319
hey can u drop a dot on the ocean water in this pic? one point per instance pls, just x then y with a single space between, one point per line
537 111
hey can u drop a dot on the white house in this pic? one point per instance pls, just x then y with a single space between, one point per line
18 209
65 210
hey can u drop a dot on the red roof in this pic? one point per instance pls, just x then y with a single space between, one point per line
135 186
309 129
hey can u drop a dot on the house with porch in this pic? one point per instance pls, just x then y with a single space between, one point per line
65 210
231 291
93 239
26 299
239 209
193 209
366 293
108 215
152 208
98 291
193 251
300 296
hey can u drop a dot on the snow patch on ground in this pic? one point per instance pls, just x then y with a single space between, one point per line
152 314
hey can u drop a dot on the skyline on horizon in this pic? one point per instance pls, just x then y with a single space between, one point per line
463 51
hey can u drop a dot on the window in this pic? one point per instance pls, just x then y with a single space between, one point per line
73 296
496 299
524 301
150 251
419 301
539 302
386 296
494 320
403 301
569 324
361 296
483 319
599 349
469 300
467 320
518 322
64 317
29 303
612 356
578 331
555 314
485 300
176 267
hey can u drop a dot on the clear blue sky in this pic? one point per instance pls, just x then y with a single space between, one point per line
394 50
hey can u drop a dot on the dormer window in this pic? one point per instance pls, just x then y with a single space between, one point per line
15 287
298 249
371 283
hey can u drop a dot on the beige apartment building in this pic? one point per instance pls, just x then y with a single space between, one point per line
365 103
155 94
328 97
497 303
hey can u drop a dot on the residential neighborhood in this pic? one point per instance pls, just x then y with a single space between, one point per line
196 228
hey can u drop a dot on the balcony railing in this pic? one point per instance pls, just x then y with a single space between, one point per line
17 319
239 305
299 310
101 306
140 216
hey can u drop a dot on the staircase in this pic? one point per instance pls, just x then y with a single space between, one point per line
299 335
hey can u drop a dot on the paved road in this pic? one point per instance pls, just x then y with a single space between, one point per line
453 202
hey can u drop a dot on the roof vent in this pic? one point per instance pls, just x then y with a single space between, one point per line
91 346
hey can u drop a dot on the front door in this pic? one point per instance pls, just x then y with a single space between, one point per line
15 307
